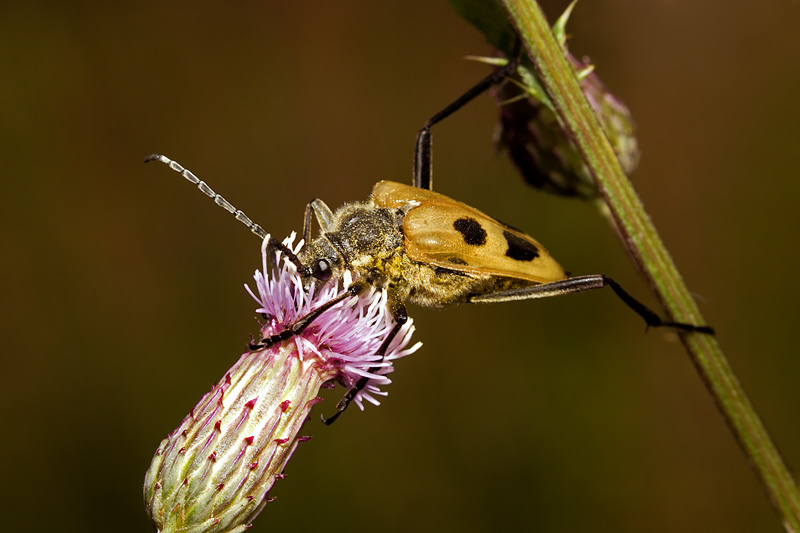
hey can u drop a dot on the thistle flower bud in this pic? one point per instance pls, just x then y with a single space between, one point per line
213 473
541 149
529 128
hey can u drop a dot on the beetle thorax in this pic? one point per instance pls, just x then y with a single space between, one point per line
366 237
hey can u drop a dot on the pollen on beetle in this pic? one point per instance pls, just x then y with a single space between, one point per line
212 474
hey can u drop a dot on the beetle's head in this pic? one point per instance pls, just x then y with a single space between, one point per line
322 261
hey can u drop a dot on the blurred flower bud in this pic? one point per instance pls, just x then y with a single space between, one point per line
529 128
531 133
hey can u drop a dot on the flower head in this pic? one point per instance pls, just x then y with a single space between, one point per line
212 474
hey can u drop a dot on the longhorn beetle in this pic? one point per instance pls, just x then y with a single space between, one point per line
423 247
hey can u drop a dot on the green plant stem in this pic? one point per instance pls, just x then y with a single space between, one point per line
647 250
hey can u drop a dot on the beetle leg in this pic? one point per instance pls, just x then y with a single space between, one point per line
588 283
301 324
400 317
324 217
423 177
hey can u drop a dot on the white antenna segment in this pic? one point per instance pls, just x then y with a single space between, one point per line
219 200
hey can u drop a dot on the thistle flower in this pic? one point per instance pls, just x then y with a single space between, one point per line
213 473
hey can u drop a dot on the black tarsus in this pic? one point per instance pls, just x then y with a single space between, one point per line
652 318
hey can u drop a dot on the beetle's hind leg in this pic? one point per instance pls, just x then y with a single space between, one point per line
588 283
400 317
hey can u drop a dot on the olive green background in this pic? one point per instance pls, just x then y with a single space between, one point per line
122 298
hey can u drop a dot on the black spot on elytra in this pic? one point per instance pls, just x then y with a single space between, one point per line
471 230
456 261
519 249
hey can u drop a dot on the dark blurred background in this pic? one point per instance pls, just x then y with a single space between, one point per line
122 286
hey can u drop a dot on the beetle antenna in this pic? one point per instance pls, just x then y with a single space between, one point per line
219 200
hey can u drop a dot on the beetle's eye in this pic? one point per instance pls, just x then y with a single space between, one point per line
322 271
